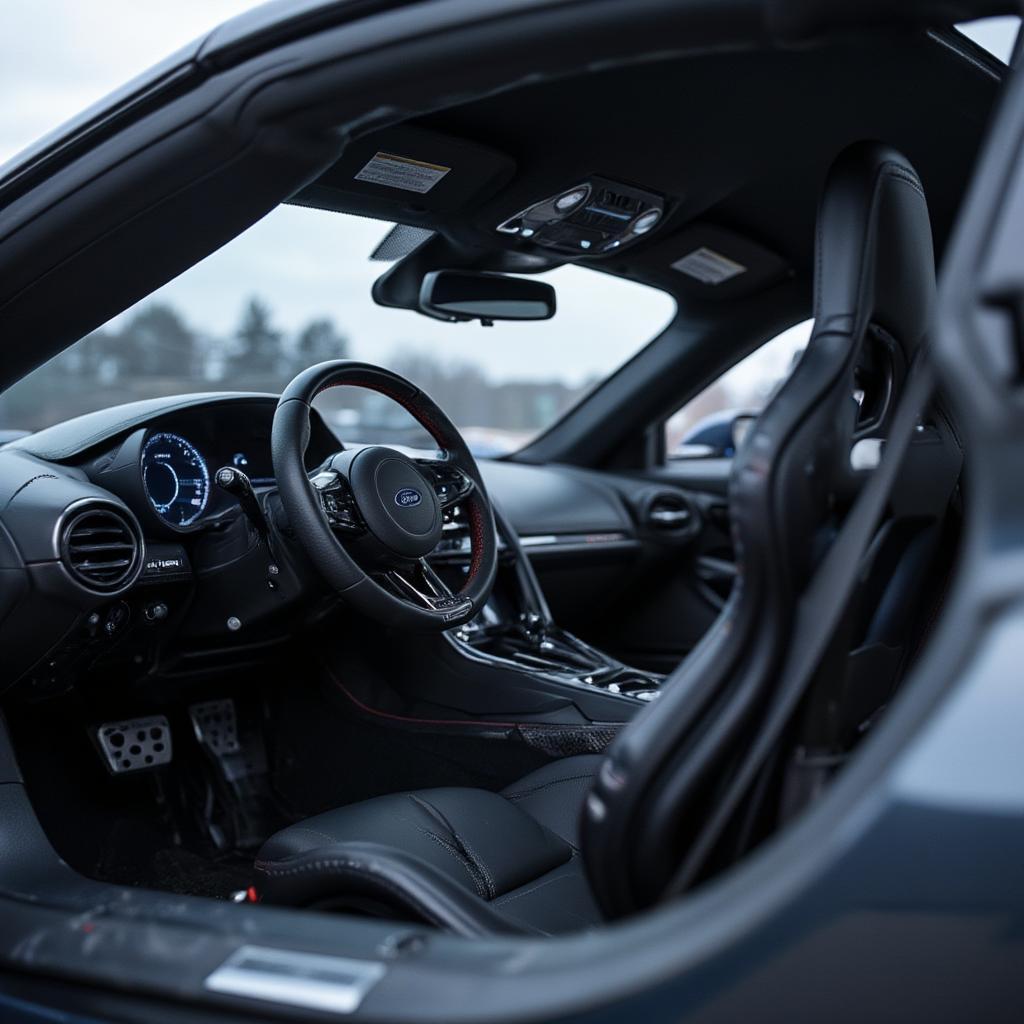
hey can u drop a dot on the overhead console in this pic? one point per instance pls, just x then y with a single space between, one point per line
590 218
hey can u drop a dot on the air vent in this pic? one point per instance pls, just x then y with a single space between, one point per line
100 547
672 513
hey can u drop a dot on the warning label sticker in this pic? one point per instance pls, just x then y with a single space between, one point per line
708 266
402 172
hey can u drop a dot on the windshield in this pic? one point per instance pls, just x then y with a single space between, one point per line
294 290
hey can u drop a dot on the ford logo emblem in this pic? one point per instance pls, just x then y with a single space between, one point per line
407 497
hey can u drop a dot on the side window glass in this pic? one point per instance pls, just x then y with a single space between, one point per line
711 424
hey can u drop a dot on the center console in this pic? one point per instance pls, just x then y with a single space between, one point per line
515 629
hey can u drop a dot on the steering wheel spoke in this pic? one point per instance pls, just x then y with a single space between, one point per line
421 584
337 502
451 484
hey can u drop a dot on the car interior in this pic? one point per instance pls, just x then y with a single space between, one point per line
531 694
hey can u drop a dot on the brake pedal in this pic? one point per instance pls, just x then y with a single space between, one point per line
135 745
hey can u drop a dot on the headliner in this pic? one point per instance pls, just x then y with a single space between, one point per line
738 142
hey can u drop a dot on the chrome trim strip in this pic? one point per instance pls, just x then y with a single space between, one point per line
536 542
573 539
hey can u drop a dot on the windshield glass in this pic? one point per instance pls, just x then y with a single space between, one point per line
294 290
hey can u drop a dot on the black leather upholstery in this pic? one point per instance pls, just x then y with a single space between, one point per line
514 860
874 299
466 859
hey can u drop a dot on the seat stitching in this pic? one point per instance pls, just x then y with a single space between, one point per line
481 865
460 842
463 862
348 867
545 785
313 832
492 888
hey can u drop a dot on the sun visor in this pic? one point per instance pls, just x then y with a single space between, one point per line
406 174
710 262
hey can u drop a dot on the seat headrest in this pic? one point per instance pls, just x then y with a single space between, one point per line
874 257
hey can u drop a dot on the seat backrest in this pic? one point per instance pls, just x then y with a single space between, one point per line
791 483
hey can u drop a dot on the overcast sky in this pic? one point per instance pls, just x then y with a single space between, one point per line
59 56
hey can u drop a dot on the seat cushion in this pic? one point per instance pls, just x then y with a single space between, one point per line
466 859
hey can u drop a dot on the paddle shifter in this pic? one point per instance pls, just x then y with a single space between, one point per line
237 484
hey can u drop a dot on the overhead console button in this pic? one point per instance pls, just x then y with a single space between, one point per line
591 218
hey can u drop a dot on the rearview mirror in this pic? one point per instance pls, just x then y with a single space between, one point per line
476 295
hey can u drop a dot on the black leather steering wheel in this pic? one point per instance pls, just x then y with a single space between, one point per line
387 508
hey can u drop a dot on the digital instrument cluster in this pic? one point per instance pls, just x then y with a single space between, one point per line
165 470
176 479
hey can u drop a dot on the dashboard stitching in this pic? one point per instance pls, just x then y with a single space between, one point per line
32 480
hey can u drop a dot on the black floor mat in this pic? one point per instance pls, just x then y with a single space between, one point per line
137 854
186 873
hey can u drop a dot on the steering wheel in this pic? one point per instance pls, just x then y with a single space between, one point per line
388 508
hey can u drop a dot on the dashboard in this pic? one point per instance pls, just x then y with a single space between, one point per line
114 537
165 469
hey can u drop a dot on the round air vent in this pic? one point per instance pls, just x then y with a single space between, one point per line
100 546
671 513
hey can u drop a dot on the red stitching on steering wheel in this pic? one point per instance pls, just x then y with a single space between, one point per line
435 432
476 541
476 519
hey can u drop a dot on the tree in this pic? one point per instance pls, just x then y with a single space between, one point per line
317 341
98 356
259 342
158 343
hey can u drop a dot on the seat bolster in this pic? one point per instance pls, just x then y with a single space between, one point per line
346 875
553 795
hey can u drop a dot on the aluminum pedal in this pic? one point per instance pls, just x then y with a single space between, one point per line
136 744
216 726
235 746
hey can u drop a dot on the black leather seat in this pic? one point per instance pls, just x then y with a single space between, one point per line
593 838
467 859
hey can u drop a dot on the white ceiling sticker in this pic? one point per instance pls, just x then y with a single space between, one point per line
708 266
402 172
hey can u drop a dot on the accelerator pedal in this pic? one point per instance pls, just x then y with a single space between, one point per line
215 724
239 757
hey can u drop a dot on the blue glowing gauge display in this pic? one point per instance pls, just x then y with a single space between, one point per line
176 479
